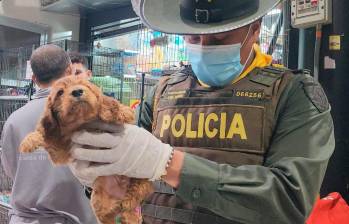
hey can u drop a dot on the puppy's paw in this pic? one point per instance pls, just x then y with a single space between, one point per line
31 142
59 157
26 147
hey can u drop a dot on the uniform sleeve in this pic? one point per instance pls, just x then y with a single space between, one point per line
285 188
146 118
9 154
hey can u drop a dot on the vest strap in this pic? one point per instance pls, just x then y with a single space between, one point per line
181 215
163 188
267 76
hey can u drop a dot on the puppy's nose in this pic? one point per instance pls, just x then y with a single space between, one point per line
77 92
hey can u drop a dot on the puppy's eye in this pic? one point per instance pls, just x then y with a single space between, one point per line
60 92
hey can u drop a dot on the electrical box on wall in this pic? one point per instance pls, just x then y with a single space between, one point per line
308 13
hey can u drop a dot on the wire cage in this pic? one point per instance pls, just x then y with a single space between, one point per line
274 34
14 67
9 104
107 69
13 63
123 81
159 52
107 65
112 74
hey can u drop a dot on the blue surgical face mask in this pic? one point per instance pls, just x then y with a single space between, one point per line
216 65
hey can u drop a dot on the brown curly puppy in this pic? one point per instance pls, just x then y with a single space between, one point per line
73 103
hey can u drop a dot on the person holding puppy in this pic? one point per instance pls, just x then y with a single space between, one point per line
231 139
41 193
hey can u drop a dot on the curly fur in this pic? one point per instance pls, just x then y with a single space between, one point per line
65 114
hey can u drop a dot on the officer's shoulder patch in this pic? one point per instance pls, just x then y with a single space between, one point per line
316 94
177 78
166 73
301 72
267 76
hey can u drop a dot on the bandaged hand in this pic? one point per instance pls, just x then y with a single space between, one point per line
128 151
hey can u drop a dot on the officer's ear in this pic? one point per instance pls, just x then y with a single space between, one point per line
256 29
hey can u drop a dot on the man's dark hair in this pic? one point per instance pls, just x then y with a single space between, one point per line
77 58
49 62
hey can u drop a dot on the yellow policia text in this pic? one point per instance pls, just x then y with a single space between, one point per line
182 125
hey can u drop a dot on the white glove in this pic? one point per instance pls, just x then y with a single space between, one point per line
131 152
77 165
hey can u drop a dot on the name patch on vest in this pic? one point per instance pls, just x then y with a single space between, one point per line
225 127
249 94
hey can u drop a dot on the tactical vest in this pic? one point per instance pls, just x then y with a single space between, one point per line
232 125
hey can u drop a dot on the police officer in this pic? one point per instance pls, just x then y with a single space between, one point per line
234 139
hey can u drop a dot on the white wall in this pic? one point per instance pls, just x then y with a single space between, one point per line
60 26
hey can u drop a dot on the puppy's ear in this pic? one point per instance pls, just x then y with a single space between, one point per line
111 111
95 89
49 121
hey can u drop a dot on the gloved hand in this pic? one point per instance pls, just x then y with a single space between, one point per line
131 151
